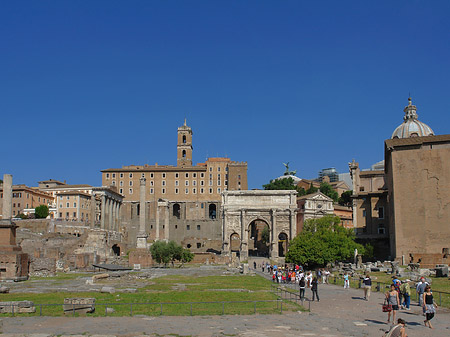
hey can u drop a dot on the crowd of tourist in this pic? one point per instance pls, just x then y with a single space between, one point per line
398 296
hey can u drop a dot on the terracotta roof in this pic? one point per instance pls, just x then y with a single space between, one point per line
74 192
417 140
342 208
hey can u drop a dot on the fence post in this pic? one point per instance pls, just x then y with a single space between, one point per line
440 298
106 310
281 306
223 308
131 309
40 309
12 309
191 309
73 309
161 309
254 307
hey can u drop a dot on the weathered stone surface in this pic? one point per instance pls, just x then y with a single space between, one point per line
110 290
17 307
99 276
86 305
4 290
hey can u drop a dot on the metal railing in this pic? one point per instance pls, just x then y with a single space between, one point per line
160 305
292 295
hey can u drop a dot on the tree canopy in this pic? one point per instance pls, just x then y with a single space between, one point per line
328 190
346 198
41 212
322 241
284 184
165 252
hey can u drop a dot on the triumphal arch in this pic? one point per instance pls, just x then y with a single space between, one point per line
258 223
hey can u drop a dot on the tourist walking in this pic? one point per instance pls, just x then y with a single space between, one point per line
420 290
314 287
394 301
367 287
346 281
302 284
429 307
406 292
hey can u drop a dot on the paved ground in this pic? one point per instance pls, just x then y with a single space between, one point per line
339 313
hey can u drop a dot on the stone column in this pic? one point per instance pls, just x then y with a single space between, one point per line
93 210
244 237
142 235
293 225
78 208
166 222
157 221
7 196
274 241
103 212
110 214
225 239
116 213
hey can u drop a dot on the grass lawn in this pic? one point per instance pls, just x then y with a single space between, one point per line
171 289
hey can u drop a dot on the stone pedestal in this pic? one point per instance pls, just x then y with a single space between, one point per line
140 258
141 241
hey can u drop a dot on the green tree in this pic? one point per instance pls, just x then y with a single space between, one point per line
165 252
284 184
311 189
328 190
265 235
322 241
41 212
346 198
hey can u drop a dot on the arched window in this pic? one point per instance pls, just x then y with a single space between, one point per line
212 211
184 139
116 250
184 153
176 211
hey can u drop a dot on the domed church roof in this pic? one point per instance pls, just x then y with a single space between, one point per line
411 126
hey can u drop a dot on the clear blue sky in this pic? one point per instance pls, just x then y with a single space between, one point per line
90 85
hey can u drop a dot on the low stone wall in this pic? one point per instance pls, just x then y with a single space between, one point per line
17 307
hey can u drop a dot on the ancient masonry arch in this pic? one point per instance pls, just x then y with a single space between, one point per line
276 208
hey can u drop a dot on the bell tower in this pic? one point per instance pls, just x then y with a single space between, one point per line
184 146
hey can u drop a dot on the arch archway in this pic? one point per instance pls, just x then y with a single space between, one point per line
116 250
176 210
212 211
258 238
235 242
282 244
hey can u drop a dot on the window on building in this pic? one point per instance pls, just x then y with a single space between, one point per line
163 191
121 191
361 189
210 191
130 191
151 183
131 182
113 175
113 183
184 153
212 211
151 191
210 176
14 204
198 227
210 169
194 190
121 183
67 215
202 205
151 175
176 175
60 214
381 229
219 190
121 175
68 197
142 175
186 183
163 175
210 183
218 169
194 175
163 183
202 190
67 205
186 191
364 213
176 191
188 227
131 175
239 176
177 182
202 175
74 214
202 183
380 212
107 175
27 206
176 211
74 205
199 245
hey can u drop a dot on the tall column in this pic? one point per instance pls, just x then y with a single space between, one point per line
78 208
116 217
7 196
110 213
166 221
225 238
142 235
157 221
103 212
274 240
93 210
244 237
